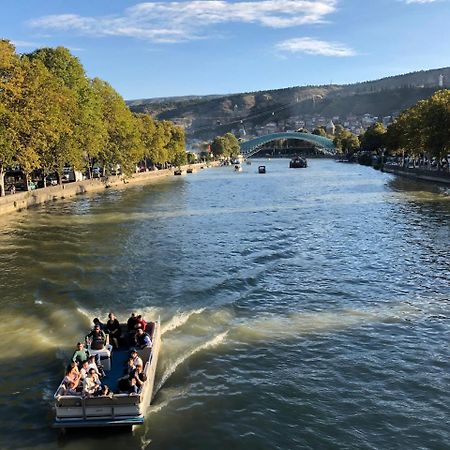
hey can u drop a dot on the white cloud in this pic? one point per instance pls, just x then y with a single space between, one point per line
409 2
315 47
181 21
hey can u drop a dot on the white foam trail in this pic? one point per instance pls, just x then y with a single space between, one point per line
173 367
179 319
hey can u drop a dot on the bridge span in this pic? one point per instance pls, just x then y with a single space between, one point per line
251 147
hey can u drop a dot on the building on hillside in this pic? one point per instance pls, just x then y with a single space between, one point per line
330 128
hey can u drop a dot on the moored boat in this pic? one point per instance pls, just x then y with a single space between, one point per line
298 163
117 409
261 169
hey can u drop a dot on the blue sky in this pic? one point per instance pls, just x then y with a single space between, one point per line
168 48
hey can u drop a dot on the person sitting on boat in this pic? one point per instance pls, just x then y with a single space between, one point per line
91 384
84 369
128 385
100 324
131 322
93 364
140 323
73 376
129 367
70 389
136 360
97 338
142 339
80 354
139 375
113 329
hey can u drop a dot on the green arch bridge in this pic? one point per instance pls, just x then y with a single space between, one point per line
251 147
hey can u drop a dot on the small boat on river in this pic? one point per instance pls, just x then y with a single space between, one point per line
117 409
298 163
261 169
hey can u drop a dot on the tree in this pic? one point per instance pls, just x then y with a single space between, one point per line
147 130
47 110
82 142
9 70
218 146
374 137
346 142
177 146
232 147
320 131
122 145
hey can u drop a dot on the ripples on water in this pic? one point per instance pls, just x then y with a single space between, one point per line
300 308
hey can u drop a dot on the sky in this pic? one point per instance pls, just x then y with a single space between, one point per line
198 47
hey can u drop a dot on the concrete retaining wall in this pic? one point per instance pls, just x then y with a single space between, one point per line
419 174
23 200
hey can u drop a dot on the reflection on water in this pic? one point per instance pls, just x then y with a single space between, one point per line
302 308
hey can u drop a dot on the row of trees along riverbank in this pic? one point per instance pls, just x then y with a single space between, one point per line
52 115
420 132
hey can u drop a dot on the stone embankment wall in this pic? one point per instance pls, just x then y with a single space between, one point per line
436 176
23 200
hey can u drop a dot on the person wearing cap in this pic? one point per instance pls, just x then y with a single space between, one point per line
81 354
97 338
136 360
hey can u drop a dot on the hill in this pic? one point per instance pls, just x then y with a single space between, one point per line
206 116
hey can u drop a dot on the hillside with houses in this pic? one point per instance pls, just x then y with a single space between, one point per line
354 106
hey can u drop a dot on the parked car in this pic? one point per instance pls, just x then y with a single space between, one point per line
51 180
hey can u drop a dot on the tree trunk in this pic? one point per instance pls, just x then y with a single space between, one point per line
2 182
27 186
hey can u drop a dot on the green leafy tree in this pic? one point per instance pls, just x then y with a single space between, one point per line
346 142
232 147
47 113
320 131
218 146
9 71
122 146
374 138
147 130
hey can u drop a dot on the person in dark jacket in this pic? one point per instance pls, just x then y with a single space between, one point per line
113 329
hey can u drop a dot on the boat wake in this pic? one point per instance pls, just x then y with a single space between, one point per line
217 340
179 320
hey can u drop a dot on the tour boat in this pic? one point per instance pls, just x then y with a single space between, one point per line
178 172
117 409
298 163
261 169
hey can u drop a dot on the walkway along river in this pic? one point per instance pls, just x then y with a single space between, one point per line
300 308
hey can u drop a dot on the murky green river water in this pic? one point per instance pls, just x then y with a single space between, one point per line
301 308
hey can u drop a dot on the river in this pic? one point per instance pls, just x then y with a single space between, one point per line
301 309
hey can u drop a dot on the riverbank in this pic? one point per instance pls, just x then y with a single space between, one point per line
434 176
24 200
